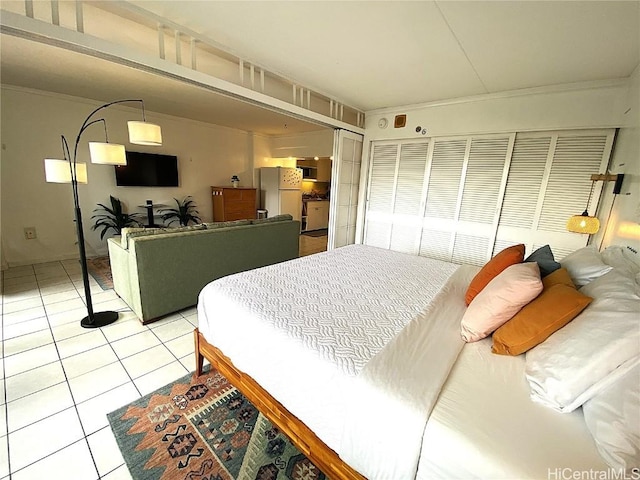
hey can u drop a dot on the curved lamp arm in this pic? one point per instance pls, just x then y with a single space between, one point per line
86 124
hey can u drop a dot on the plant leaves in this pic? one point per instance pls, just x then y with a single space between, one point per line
113 218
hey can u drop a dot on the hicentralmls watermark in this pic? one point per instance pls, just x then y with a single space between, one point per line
608 474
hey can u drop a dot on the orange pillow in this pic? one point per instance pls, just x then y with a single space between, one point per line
507 257
558 277
553 309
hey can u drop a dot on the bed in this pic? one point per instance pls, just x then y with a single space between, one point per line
356 355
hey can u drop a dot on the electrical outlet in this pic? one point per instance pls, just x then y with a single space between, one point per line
30 233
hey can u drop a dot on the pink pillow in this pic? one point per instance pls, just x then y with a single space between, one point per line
500 300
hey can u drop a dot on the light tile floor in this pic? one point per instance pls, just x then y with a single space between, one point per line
59 380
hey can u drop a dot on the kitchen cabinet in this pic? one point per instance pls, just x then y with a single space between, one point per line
306 162
317 215
324 170
233 203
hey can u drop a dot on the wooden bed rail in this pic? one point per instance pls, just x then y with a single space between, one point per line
300 435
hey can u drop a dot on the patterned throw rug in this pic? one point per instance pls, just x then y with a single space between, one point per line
203 428
100 269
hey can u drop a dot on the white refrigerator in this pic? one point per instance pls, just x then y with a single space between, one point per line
280 191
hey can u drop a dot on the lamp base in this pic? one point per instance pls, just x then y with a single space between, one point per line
100 319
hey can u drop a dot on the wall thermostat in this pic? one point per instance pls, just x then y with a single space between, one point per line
400 121
383 122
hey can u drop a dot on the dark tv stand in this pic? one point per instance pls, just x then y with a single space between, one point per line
150 206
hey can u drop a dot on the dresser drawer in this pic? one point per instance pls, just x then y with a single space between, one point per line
233 203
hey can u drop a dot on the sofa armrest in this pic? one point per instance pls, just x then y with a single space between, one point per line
119 261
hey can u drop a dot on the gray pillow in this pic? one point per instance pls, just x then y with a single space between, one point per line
544 258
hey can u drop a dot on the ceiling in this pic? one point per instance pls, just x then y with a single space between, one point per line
368 55
44 67
377 54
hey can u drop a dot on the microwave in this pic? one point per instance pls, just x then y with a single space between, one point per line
309 173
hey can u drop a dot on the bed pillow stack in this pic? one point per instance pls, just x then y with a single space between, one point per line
581 335
520 313
594 361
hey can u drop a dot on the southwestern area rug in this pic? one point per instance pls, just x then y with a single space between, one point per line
100 269
203 428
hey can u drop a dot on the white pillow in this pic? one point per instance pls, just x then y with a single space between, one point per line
613 418
592 351
612 288
621 259
585 265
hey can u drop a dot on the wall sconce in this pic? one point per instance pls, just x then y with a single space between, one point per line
585 223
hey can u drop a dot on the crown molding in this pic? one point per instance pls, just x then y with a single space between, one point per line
561 88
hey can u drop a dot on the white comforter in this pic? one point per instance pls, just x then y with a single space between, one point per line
306 329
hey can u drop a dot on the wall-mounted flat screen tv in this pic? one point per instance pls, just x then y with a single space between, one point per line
148 170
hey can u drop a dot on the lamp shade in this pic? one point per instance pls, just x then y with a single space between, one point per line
107 153
57 171
144 133
583 224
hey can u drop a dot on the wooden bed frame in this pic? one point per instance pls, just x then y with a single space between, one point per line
300 435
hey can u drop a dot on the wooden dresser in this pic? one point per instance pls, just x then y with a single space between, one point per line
233 203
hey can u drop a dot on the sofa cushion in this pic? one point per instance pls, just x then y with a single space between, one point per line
131 232
232 223
128 233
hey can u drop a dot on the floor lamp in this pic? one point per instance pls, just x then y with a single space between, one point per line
71 171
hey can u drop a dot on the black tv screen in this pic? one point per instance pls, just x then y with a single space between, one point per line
148 170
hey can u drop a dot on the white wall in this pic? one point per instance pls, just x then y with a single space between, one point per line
588 106
311 144
32 122
624 224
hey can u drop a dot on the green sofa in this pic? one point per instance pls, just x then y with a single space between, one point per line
160 271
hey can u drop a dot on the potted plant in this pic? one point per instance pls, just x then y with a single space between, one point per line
185 213
113 218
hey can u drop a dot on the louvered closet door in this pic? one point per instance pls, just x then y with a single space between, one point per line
380 191
549 180
466 183
395 190
407 211
443 192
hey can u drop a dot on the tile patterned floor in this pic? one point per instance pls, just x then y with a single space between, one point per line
60 380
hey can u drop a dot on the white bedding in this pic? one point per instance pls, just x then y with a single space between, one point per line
484 415
398 387
367 337
334 313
